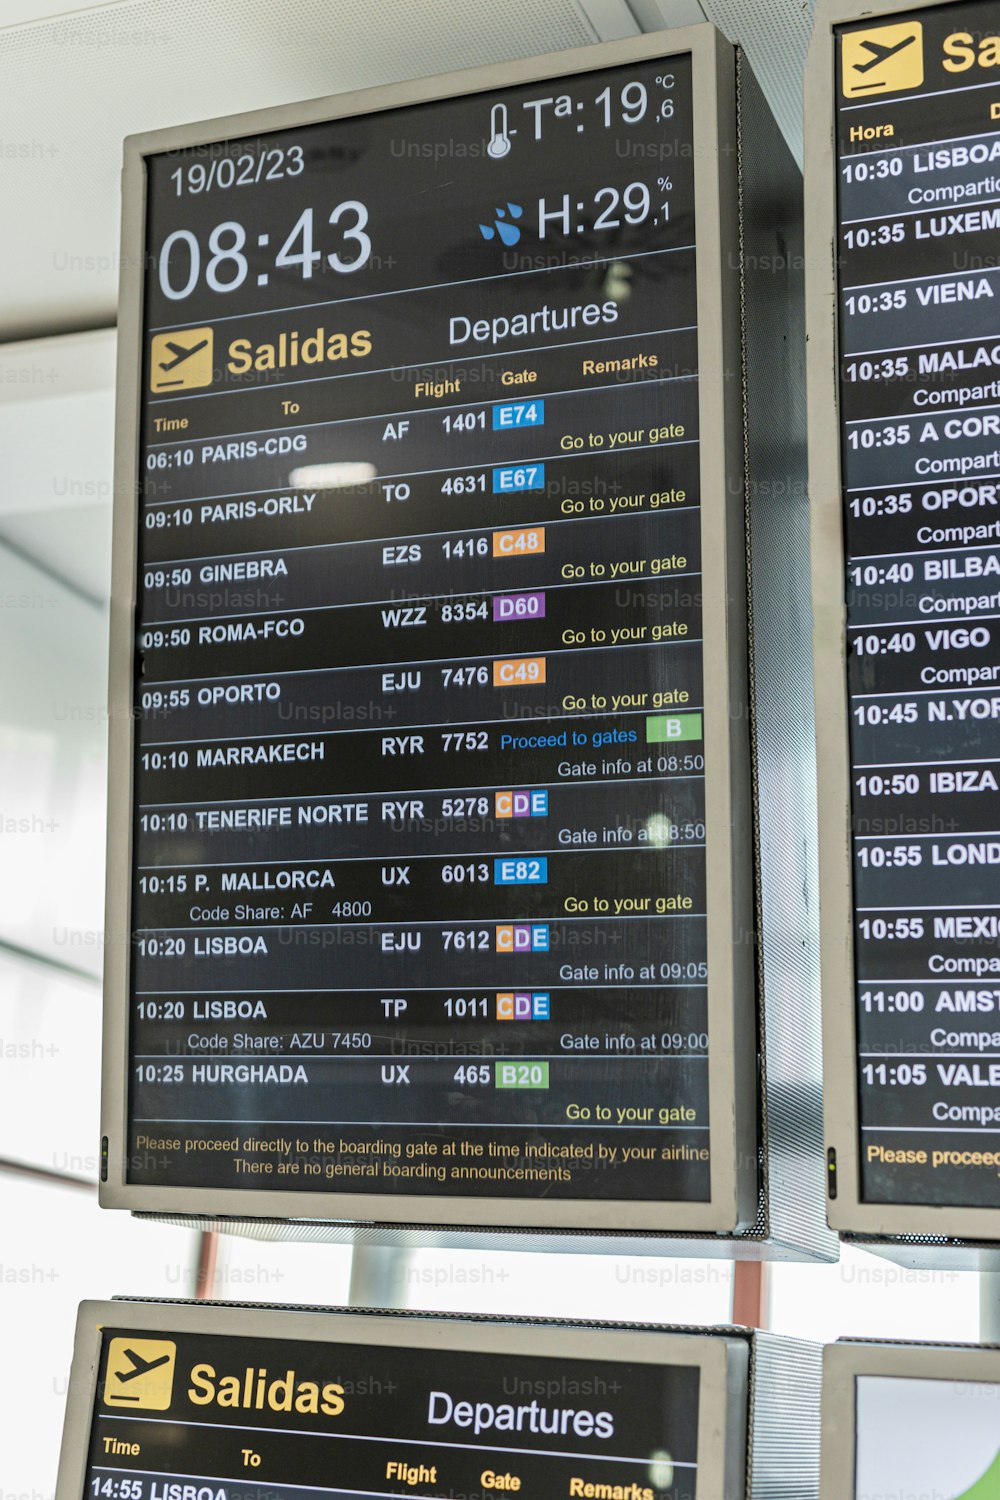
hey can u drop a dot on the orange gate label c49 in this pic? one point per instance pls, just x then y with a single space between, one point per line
522 670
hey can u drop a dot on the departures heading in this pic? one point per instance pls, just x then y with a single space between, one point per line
198 1417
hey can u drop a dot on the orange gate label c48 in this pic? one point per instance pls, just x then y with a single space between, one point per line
516 543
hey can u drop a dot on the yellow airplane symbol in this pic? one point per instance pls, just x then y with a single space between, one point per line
139 1365
883 60
140 1373
180 353
181 361
881 53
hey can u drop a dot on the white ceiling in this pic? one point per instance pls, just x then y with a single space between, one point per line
77 79
57 442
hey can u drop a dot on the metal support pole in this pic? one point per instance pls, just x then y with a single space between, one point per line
378 1276
208 1254
750 1290
989 1307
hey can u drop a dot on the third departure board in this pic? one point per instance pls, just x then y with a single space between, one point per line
942 1436
421 873
200 1417
910 1419
918 180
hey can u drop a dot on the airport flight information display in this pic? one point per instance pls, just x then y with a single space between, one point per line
183 1416
918 137
419 866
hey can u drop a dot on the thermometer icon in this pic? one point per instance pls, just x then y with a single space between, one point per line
499 144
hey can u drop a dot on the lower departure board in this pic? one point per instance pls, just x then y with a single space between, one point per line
918 172
419 885
925 1436
907 1419
203 1416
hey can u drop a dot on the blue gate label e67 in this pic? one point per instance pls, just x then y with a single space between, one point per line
518 477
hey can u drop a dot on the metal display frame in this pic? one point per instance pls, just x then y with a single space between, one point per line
734 1181
914 1234
767 1189
721 1356
848 1359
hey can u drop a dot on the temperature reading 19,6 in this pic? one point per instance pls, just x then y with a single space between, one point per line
627 104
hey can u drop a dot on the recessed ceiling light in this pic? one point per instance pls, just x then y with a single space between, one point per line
331 476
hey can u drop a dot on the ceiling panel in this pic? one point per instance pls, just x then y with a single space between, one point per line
775 34
53 738
75 86
77 81
57 441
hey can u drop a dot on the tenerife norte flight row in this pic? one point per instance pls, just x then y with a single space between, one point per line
478 649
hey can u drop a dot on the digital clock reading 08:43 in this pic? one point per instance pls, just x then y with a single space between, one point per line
221 263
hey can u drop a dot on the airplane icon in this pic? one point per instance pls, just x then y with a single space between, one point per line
881 53
139 1365
883 60
180 354
145 1367
181 361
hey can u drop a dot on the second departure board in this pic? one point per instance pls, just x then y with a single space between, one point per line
292 1415
918 318
421 864
209 1402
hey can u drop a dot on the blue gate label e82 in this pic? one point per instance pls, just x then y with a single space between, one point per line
520 872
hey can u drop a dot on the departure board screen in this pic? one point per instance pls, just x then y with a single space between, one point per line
926 1437
918 138
200 1417
419 855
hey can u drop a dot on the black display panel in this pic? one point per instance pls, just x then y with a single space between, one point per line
918 145
199 1417
419 871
